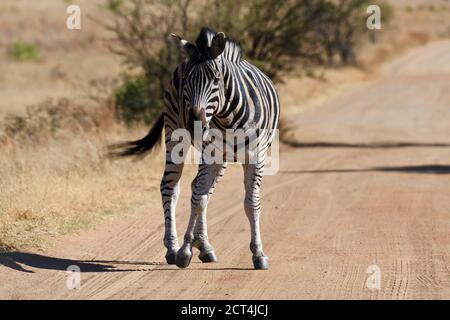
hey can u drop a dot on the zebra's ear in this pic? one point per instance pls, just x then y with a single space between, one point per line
217 45
187 48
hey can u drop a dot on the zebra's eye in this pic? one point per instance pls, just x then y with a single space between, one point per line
216 80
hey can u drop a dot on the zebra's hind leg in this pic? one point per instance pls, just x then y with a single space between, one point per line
196 233
252 205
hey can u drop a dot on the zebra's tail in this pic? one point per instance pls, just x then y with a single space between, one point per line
139 147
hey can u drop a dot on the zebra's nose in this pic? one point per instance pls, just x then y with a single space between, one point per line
200 114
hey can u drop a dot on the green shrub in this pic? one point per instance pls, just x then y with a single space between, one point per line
113 5
137 99
24 51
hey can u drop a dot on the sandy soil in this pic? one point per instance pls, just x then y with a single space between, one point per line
364 182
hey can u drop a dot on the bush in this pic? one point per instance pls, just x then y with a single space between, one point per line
142 29
24 51
276 36
345 28
137 100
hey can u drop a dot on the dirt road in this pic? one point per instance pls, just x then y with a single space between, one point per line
366 183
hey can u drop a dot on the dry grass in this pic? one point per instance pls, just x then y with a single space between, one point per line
47 196
54 177
58 193
66 183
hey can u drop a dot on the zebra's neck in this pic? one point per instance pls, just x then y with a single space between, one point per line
234 111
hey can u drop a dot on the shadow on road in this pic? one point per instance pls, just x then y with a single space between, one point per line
422 169
19 260
373 145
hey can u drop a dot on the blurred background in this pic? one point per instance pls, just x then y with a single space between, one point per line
65 94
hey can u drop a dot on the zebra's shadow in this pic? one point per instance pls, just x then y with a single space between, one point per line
19 261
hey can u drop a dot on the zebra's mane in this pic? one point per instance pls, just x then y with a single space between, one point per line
233 50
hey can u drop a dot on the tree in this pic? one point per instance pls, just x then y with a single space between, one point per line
276 35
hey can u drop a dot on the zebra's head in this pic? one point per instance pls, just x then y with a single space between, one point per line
203 83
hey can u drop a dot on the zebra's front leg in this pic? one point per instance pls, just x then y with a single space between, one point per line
170 191
196 233
252 204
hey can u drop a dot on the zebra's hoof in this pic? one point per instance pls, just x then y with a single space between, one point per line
261 263
183 259
208 257
170 257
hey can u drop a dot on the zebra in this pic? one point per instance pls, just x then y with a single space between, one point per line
216 87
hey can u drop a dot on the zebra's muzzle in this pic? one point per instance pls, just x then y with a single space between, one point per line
199 114
198 124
